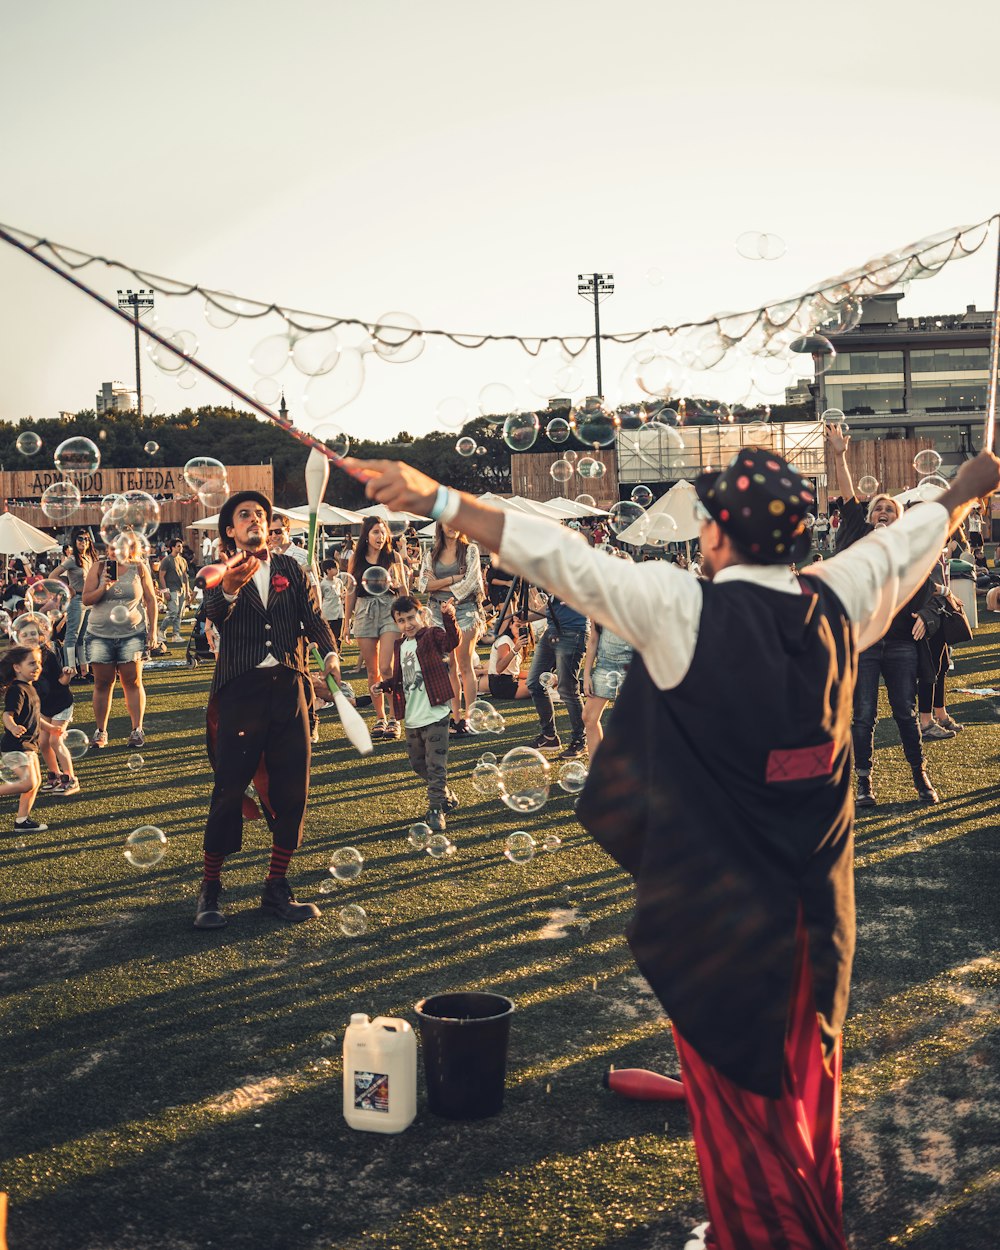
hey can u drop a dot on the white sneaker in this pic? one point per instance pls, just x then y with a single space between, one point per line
696 1238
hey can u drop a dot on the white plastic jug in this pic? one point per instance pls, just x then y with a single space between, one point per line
380 1074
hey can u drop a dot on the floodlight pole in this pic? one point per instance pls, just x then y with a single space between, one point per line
989 430
596 286
139 302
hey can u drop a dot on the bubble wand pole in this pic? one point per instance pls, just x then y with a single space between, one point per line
301 436
989 430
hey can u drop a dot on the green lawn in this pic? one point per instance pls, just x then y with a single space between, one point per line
164 1087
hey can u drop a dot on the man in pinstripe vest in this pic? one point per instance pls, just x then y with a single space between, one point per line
258 723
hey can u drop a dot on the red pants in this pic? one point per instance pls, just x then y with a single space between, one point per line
770 1168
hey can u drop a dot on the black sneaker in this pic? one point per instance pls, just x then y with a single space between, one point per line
450 800
547 742
460 729
435 821
866 795
27 825
208 914
575 749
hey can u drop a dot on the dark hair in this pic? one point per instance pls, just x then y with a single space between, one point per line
327 565
16 655
90 551
386 557
405 603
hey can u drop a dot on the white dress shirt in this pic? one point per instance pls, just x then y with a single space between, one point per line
657 607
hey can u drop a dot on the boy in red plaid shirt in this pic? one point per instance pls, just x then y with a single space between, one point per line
421 690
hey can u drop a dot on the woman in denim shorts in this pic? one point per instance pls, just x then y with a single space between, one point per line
122 623
604 669
451 571
369 617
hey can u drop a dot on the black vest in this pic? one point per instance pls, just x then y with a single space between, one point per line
729 800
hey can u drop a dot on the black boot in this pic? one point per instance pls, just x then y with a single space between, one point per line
925 791
208 914
279 901
866 795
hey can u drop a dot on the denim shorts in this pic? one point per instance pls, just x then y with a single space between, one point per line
115 650
373 617
468 615
601 683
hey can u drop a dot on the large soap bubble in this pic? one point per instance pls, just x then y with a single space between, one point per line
28 442
50 597
524 777
77 455
204 471
145 846
927 461
60 500
346 863
375 580
520 431
352 920
594 425
519 847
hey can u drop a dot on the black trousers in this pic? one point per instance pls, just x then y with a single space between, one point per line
264 713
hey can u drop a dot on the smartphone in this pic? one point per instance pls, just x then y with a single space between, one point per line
110 570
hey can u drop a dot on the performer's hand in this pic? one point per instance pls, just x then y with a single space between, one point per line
399 486
919 628
238 574
331 667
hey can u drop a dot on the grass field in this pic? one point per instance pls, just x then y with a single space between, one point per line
169 1088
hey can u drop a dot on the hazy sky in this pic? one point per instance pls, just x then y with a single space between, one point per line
463 165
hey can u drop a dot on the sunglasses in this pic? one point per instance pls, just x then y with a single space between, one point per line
277 531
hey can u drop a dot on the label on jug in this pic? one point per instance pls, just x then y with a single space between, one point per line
371 1091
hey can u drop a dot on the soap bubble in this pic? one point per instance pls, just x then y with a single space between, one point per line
30 628
594 425
145 846
137 512
135 763
14 767
660 530
642 496
587 501
927 461
60 500
520 431
130 547
49 597
219 315
833 416
561 470
613 680
480 450
929 489
398 338
327 393
119 614
348 582
548 681
486 780
184 343
267 390
818 347
519 847
201 472
479 715
151 448
212 498
573 776
551 842
186 380
758 433
590 468
270 355
76 743
571 457
755 245
396 524
487 757
569 379
495 723
419 835
496 398
375 580
452 412
326 886
316 353
346 863
439 846
466 446
352 920
28 442
557 430
334 437
868 485
524 776
623 514
77 455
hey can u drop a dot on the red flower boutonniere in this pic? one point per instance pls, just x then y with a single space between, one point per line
279 582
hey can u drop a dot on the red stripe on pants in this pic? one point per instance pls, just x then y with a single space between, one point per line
770 1167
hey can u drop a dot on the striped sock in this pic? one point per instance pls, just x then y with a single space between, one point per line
280 858
213 866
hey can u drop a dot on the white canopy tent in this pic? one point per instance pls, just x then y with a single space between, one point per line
17 537
212 522
379 509
677 505
327 514
579 509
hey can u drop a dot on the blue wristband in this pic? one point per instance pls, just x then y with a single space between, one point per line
440 503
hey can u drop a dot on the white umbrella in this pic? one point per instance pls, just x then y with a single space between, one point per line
212 522
678 505
18 537
379 509
578 509
328 514
552 512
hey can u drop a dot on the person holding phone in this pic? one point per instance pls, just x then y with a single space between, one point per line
122 602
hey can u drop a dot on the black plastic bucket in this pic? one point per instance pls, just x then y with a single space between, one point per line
464 1039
